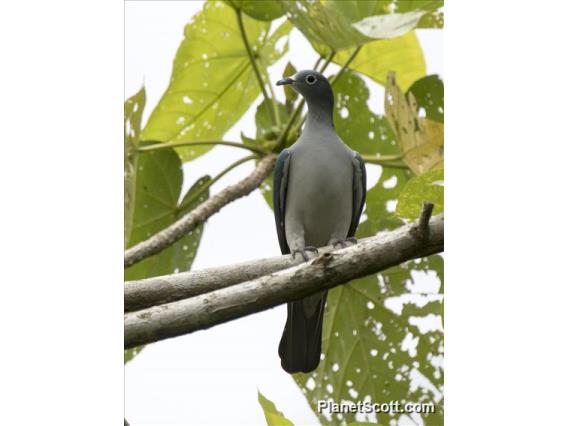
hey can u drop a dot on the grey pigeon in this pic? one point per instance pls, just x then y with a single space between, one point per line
319 193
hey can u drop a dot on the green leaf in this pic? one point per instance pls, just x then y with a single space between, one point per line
336 25
434 18
133 108
360 128
271 413
212 82
429 95
291 94
402 55
427 187
264 10
421 140
158 189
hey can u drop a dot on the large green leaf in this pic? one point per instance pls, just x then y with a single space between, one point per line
365 343
429 95
421 140
212 82
263 10
271 413
133 108
339 24
360 128
158 188
402 55
427 187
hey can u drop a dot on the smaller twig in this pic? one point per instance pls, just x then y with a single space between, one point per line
420 230
165 145
371 159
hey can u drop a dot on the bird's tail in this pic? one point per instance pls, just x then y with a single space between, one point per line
300 345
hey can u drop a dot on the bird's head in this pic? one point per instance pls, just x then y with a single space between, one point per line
313 86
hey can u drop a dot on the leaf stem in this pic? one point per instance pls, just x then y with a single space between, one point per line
380 161
346 64
253 62
215 179
157 146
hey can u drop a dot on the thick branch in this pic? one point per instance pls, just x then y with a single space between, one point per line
328 270
141 294
200 214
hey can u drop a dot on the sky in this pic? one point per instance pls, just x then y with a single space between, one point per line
212 377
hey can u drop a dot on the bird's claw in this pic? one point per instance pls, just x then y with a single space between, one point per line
304 251
344 243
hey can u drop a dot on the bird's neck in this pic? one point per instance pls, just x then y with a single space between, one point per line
320 113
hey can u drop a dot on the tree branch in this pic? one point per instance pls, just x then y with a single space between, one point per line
140 294
163 239
326 271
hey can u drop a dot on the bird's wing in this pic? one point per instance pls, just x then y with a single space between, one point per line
280 183
359 192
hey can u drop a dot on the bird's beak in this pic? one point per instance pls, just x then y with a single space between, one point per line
287 80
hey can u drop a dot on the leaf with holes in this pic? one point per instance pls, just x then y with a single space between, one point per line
421 140
426 187
271 413
360 128
337 25
402 55
133 108
212 83
429 95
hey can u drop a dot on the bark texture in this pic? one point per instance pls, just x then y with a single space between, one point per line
325 271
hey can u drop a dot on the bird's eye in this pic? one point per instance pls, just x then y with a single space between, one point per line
311 79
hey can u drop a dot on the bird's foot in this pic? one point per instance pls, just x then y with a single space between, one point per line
304 251
344 243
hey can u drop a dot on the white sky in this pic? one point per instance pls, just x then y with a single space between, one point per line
212 376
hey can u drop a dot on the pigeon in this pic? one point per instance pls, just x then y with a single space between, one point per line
319 194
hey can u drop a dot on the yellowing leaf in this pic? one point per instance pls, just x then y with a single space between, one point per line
421 140
212 82
271 413
403 55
